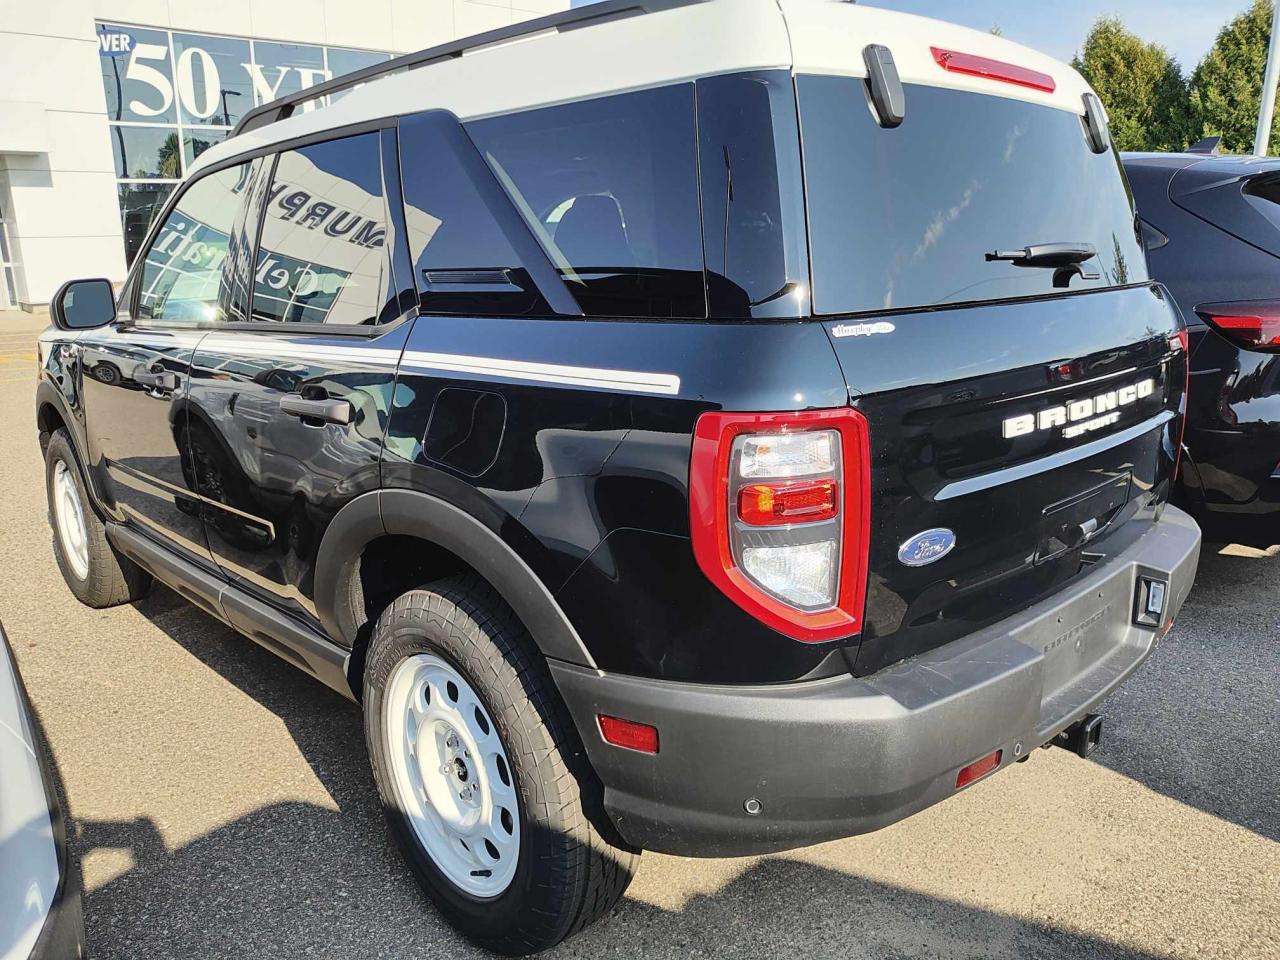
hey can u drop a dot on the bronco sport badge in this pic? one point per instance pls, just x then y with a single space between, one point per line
1080 416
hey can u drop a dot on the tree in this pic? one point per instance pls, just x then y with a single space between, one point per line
1141 86
1226 88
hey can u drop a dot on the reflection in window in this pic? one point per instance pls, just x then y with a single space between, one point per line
610 186
183 269
212 83
322 256
342 62
139 83
140 204
146 152
283 68
196 141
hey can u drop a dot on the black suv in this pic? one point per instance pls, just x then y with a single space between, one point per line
1212 230
711 466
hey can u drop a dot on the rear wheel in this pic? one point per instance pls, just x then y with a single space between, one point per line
91 567
481 772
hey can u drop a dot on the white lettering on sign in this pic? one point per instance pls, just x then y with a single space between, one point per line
138 70
114 44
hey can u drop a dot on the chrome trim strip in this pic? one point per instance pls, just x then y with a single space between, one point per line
996 478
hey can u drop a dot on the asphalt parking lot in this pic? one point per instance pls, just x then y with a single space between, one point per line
223 805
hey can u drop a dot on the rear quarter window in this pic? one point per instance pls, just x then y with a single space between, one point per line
904 217
610 188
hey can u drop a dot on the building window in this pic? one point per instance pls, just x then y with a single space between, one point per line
172 95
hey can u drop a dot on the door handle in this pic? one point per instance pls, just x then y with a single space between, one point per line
157 380
330 411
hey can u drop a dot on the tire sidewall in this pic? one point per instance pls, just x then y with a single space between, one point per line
60 452
401 637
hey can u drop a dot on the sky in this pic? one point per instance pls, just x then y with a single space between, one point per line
1186 28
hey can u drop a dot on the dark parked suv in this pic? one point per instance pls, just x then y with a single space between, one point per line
710 428
1212 230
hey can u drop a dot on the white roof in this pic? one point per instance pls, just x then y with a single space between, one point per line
681 43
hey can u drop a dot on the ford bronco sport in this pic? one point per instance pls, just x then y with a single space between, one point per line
705 427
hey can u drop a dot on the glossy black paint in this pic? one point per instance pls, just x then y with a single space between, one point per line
526 424
936 391
1214 245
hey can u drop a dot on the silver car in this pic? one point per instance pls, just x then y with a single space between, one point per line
39 886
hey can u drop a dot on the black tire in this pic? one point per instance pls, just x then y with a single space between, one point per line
572 867
112 579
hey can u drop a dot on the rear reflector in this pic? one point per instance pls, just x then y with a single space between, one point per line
978 769
1252 324
629 734
974 66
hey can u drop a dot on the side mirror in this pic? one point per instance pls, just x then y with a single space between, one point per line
83 304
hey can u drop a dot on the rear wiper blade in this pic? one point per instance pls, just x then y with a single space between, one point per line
1046 254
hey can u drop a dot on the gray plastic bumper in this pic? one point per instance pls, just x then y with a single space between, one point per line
847 755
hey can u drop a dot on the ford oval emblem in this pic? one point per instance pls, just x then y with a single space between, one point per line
926 547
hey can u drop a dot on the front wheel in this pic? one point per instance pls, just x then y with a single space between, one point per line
95 572
481 774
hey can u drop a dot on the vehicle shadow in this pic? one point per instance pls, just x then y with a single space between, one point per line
251 889
1197 722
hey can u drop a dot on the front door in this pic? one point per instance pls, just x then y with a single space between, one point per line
287 410
135 373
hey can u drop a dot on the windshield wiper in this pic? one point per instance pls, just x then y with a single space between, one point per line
1046 254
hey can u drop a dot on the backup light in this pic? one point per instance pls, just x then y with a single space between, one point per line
779 515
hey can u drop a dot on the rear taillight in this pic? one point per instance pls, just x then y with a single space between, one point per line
972 65
780 516
1252 324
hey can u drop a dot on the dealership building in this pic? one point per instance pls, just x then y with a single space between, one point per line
105 103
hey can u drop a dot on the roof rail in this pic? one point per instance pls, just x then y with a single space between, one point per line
574 19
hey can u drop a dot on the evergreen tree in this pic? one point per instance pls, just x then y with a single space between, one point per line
1141 86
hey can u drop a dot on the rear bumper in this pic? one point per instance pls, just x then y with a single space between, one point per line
848 755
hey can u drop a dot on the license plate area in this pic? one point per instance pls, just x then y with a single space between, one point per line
1071 523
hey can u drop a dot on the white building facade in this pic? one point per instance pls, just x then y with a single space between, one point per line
104 104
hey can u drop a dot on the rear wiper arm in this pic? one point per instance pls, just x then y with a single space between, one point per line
1046 254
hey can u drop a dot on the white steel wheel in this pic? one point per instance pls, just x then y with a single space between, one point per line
451 775
68 517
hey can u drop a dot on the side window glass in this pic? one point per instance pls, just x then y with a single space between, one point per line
183 270
322 256
458 219
610 187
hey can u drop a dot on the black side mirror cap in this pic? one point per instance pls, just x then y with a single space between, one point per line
83 304
887 94
1095 123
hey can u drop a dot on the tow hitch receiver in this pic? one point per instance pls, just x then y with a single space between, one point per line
1082 737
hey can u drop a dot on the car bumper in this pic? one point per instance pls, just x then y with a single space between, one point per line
847 755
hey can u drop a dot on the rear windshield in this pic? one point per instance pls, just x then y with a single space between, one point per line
903 217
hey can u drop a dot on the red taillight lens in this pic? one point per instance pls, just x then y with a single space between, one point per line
769 504
779 509
978 769
1252 324
975 66
629 734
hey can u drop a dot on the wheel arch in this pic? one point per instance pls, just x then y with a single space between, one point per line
412 517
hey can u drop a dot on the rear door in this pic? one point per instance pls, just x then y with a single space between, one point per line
288 405
137 371
1027 412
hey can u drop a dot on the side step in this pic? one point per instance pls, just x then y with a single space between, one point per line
281 634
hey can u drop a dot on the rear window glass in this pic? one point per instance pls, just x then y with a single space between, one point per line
610 187
904 217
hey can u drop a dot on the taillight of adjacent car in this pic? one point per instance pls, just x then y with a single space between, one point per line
1251 324
780 516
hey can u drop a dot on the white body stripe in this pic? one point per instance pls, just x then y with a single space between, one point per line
683 43
596 378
